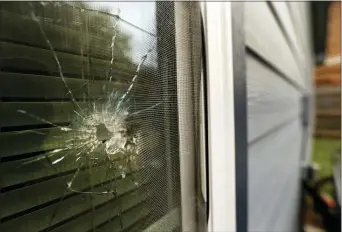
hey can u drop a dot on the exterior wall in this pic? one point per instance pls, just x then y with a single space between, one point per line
279 63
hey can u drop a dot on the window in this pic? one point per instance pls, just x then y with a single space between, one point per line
100 116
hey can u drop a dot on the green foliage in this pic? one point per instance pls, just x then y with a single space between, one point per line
323 152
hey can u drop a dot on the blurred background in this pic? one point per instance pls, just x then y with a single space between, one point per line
327 136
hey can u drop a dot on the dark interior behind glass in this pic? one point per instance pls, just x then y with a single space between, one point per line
89 122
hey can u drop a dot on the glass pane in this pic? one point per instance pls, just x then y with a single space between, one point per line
89 135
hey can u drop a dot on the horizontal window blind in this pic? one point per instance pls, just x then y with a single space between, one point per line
89 115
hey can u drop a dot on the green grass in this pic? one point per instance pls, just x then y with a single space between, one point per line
323 151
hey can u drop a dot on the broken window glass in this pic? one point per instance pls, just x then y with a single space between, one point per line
89 137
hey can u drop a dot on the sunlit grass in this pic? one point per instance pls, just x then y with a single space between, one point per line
322 154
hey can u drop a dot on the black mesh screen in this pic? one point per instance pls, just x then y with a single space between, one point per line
99 122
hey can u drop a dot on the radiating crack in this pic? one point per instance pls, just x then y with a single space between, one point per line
112 45
99 133
33 15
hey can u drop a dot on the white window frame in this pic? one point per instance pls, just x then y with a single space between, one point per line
221 121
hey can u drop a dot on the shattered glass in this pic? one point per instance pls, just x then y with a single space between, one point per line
88 132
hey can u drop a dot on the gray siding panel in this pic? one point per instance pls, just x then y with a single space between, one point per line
264 36
273 178
300 14
275 132
282 11
271 101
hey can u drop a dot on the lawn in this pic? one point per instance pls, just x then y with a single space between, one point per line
323 150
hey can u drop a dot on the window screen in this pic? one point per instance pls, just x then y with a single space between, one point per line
99 122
